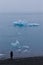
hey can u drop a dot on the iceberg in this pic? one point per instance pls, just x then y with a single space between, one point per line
33 24
21 23
15 44
20 48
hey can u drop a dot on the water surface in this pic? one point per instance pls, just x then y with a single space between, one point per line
27 36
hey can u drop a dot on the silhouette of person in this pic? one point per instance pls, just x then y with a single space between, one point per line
11 54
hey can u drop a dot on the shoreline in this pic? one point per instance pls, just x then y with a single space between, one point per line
23 61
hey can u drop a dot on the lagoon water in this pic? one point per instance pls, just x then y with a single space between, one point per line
29 39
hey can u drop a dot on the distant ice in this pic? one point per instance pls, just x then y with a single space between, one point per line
25 46
15 44
2 54
33 24
21 23
19 50
25 51
19 47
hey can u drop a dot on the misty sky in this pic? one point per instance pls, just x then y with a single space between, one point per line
21 6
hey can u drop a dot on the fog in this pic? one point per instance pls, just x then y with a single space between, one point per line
24 6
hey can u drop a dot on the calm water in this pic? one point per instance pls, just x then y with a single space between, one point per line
27 36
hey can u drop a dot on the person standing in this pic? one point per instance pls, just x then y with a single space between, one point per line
11 54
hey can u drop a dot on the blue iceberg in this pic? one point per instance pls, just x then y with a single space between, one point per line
33 24
21 23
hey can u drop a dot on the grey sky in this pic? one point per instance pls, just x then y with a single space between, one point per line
21 5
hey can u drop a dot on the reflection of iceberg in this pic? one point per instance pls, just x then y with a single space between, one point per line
21 23
26 51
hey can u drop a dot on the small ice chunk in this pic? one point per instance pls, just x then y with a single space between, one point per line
25 46
21 23
19 50
25 50
2 54
33 24
15 44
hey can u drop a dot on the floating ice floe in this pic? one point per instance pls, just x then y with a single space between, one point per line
19 50
21 23
25 51
15 44
27 47
2 54
19 47
33 24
